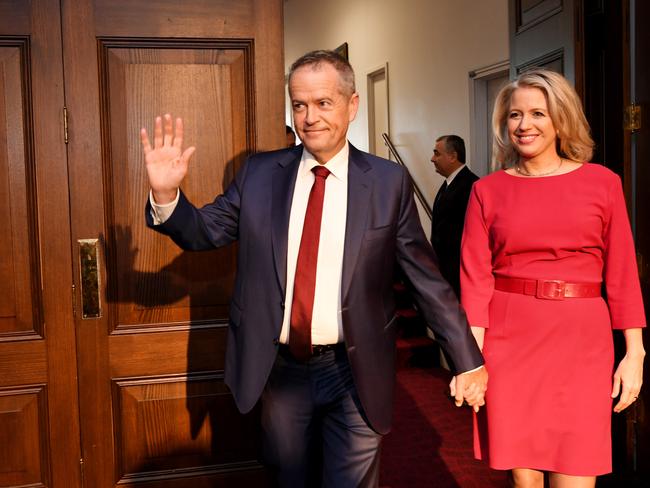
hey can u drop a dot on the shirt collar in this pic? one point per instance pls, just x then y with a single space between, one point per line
338 165
451 177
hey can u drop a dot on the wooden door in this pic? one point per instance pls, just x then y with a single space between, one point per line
154 407
39 431
639 423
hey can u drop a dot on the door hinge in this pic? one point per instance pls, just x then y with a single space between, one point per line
632 118
65 124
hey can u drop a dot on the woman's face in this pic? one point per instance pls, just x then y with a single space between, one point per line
530 127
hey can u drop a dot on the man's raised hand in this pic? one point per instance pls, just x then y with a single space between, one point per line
166 162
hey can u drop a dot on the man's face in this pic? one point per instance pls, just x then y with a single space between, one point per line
321 111
444 161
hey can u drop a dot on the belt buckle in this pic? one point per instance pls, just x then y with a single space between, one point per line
320 349
550 289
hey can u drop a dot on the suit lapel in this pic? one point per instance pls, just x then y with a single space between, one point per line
460 177
359 191
449 193
283 183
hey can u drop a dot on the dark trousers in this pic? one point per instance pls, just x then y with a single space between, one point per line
315 432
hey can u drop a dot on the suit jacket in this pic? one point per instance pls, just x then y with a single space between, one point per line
447 224
382 228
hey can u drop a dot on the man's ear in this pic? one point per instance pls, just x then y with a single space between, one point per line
353 105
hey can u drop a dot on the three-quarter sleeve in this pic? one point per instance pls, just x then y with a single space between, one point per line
476 277
620 270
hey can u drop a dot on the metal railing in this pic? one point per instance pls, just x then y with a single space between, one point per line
418 192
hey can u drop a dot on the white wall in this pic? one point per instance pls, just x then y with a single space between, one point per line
430 47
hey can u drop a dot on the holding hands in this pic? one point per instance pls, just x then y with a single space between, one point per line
470 387
166 162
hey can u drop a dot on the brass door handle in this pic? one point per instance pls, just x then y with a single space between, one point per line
89 269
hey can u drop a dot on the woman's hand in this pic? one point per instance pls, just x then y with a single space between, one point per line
470 387
629 374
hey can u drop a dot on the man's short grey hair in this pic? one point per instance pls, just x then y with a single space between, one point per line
315 59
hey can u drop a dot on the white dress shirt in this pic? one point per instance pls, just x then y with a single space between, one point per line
451 177
327 325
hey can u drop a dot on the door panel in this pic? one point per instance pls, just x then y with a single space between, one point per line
543 34
217 74
39 433
156 435
19 309
24 449
154 406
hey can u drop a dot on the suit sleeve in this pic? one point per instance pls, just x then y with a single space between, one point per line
455 234
620 270
435 298
214 225
476 278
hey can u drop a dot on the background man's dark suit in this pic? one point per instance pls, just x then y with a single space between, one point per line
447 225
382 228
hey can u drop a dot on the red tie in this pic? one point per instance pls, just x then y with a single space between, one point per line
305 280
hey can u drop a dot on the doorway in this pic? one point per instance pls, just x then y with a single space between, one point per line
378 111
485 84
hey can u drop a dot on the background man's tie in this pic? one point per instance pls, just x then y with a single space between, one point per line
441 192
305 280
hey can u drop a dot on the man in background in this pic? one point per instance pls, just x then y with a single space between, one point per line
291 136
449 205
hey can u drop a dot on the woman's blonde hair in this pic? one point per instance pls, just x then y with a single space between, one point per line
565 109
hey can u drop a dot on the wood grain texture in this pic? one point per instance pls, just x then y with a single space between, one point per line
180 424
15 17
54 245
23 362
137 354
37 340
23 442
214 63
172 19
19 307
156 282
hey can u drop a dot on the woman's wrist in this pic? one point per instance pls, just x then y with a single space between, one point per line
634 343
635 353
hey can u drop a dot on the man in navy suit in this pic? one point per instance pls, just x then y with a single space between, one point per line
448 217
312 323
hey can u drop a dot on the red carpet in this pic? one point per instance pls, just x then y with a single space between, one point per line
430 444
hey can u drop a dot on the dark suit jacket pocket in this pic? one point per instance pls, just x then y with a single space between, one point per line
236 314
377 232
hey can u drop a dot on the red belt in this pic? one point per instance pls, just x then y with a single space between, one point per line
548 289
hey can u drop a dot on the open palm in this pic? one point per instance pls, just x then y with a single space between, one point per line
166 162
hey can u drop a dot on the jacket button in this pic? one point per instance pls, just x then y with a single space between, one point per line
276 341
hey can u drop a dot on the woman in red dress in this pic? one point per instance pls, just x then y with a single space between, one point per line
541 238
